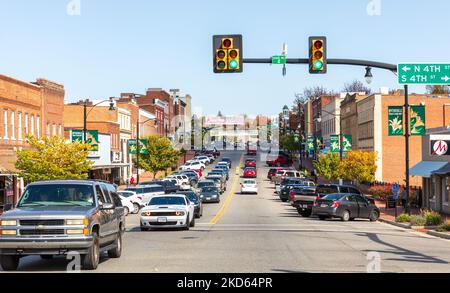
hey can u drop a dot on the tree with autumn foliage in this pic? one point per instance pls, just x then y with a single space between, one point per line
328 166
161 155
52 158
359 165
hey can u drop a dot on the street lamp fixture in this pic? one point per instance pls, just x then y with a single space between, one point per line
111 110
368 76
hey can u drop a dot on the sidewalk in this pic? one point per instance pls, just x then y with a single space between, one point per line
389 214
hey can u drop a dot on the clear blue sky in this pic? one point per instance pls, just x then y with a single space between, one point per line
119 46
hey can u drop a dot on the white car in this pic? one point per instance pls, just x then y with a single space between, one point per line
168 211
127 205
193 165
223 163
135 199
202 159
147 191
249 186
183 181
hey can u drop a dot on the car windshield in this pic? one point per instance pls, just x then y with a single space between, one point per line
327 189
167 200
205 183
334 196
209 189
58 194
125 194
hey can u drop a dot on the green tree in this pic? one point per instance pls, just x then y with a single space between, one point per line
161 155
360 166
51 158
289 144
328 166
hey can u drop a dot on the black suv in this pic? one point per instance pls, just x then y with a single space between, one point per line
63 216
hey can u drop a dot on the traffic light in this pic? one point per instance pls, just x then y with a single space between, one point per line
227 52
317 55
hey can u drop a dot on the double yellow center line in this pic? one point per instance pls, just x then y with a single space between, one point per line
229 197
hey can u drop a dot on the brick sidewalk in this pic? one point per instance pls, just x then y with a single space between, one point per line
389 214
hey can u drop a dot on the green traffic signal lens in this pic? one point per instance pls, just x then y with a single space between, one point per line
221 64
234 64
318 64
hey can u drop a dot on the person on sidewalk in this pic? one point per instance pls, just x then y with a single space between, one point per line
132 181
403 197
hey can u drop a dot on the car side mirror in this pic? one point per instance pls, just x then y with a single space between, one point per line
107 206
7 207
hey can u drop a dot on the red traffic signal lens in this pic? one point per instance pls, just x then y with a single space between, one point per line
221 64
318 55
318 44
221 54
233 54
226 43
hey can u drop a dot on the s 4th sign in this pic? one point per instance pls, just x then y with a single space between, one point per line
423 73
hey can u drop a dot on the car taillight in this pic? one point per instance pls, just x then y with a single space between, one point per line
292 195
318 197
131 201
335 204
140 197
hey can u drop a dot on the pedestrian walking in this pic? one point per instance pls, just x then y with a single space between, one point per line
403 197
132 181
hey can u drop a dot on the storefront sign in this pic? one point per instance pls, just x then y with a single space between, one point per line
439 147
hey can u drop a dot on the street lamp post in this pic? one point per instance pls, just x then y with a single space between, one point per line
138 142
341 135
86 113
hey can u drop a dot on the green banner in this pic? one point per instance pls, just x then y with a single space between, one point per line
334 143
143 146
91 138
395 119
319 143
347 142
310 143
417 118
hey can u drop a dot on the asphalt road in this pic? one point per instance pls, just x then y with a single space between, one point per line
259 233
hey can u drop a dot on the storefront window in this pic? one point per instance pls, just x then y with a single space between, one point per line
446 191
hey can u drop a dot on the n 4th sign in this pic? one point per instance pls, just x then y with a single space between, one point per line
425 73
280 59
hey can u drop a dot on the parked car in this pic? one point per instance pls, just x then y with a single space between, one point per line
250 163
210 194
249 186
147 191
224 171
194 197
251 150
280 160
345 206
168 211
220 173
203 159
127 204
223 164
303 199
135 199
193 165
183 180
272 172
324 189
61 216
219 180
228 160
250 172
291 183
280 175
169 186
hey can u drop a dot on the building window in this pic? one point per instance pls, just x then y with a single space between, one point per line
19 126
5 124
54 129
26 123
13 132
60 130
38 126
32 124
47 131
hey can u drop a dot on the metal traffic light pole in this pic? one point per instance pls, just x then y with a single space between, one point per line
356 62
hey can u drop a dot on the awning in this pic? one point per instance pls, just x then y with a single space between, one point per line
445 170
425 168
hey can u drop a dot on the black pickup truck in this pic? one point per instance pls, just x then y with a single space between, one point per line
61 217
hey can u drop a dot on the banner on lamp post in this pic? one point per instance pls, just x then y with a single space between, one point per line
347 142
395 120
334 144
417 120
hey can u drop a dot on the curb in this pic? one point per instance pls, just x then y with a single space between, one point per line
439 234
429 232
404 226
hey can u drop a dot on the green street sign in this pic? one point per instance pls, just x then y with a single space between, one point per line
279 59
423 73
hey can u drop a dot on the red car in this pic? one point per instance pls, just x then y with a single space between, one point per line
251 151
250 163
280 161
199 173
250 172
273 171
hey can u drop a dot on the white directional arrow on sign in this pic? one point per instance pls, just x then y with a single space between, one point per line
406 68
445 78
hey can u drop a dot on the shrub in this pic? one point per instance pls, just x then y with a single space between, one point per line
380 191
444 227
403 218
418 220
432 218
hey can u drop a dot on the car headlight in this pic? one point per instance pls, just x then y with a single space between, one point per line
179 213
146 214
8 232
8 223
77 222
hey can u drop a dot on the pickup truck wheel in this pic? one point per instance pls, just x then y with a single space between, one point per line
117 251
92 258
9 262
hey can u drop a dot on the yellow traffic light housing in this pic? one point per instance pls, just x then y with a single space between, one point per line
227 51
317 55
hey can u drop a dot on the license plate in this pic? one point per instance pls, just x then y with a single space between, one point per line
305 206
323 205
162 220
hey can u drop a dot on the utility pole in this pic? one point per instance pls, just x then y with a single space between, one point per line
407 210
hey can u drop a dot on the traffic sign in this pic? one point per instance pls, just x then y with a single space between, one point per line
423 73
279 59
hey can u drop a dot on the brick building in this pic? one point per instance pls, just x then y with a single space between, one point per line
372 132
349 116
317 105
26 108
